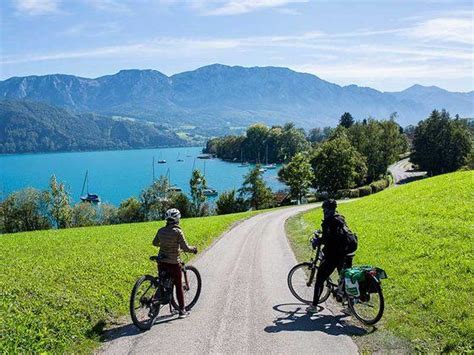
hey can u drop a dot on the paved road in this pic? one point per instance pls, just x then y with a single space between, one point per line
403 172
245 304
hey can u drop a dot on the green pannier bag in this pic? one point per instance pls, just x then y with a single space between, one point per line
356 275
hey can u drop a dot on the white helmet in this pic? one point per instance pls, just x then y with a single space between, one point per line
173 215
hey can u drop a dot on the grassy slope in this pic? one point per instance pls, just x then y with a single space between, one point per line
59 287
422 235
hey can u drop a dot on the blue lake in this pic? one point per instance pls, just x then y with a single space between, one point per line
117 175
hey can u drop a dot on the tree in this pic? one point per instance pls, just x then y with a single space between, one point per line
292 141
346 120
440 144
228 202
255 142
255 191
155 199
59 204
130 211
380 142
298 175
25 210
181 202
197 184
337 165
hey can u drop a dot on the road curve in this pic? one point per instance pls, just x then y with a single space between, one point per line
245 304
403 172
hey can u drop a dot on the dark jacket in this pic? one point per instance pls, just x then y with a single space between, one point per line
334 239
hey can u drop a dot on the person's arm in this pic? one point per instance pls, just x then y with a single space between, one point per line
183 244
156 240
325 232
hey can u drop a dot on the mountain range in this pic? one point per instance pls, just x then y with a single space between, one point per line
222 97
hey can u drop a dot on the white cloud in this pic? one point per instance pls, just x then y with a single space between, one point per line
36 7
237 7
109 5
311 42
92 30
445 29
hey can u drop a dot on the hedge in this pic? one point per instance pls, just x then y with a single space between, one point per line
379 185
365 190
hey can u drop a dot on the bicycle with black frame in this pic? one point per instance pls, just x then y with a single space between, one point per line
366 301
150 294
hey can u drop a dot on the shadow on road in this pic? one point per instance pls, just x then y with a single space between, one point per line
127 330
408 179
295 318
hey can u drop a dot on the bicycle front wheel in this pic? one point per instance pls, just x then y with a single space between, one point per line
301 280
369 307
143 308
191 279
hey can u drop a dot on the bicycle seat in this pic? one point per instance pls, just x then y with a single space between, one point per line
157 258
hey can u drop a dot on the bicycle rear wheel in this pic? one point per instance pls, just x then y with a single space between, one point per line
301 280
191 287
143 309
369 307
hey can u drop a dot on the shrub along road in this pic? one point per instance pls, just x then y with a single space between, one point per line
245 304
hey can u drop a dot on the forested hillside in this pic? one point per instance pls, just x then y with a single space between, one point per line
37 127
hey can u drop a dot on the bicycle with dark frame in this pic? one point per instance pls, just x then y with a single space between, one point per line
367 304
151 293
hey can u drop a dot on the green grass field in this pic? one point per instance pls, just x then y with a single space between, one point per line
60 287
422 235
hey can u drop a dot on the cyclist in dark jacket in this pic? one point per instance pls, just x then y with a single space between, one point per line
338 249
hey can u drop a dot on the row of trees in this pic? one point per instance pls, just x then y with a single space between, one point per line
260 144
351 155
32 209
442 144
359 153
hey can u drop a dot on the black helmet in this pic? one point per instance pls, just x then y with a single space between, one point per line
329 204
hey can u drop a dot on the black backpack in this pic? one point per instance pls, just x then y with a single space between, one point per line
347 238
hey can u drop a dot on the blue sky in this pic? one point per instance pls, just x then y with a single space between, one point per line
388 45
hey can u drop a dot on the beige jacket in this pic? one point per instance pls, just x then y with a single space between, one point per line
170 239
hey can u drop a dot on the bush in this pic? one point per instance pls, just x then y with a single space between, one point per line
354 193
84 214
378 185
365 191
130 211
229 203
344 193
108 214
25 210
389 179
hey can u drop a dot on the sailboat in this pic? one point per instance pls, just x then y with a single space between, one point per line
268 166
172 188
208 191
243 164
88 197
260 169
178 159
161 161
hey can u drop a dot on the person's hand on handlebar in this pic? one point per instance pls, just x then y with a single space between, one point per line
315 242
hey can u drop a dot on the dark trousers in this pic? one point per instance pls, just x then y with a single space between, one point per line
176 277
326 268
